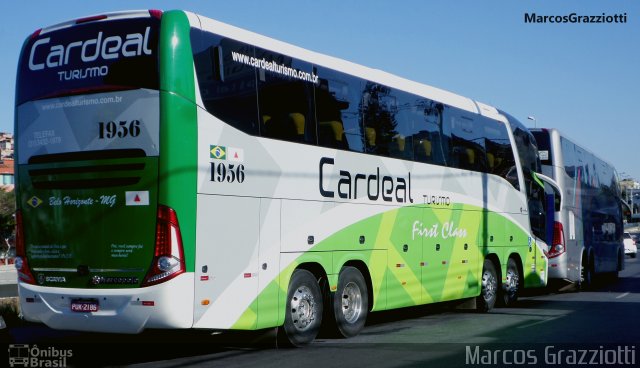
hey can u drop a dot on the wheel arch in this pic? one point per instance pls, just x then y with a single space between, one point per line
493 257
316 269
364 270
516 257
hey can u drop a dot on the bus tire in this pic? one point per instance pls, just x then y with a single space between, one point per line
303 314
489 287
350 302
512 287
586 274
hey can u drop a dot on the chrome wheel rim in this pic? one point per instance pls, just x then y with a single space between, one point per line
489 285
585 275
303 308
351 302
512 283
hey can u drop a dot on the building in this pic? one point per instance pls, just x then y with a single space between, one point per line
6 145
7 178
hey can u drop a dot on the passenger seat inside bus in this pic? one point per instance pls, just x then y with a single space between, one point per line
423 150
397 147
331 134
370 134
289 127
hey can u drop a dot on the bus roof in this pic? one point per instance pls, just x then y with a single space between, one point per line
96 17
555 131
342 65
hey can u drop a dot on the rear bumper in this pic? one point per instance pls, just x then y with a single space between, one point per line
558 267
166 305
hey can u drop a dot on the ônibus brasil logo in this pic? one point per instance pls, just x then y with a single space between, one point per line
43 55
24 355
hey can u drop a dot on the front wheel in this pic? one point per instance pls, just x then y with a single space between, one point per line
512 286
350 302
303 315
489 293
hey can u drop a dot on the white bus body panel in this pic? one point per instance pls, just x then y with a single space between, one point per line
172 306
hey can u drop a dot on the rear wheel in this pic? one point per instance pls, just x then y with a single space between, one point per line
586 274
489 293
303 315
512 286
350 302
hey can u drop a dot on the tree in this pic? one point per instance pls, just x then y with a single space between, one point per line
7 211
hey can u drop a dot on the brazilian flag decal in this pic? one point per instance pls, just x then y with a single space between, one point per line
219 152
34 201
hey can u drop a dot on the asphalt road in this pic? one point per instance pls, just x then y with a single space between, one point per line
547 328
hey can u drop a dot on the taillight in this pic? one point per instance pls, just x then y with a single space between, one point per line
35 34
21 263
155 13
557 245
90 19
168 261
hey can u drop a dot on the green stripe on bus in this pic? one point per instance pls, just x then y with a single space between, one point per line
178 121
400 278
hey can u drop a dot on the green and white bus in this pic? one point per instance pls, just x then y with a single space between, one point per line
177 172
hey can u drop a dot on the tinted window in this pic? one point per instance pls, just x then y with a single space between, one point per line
500 160
119 54
338 98
569 157
254 90
432 136
227 86
525 144
285 102
379 118
544 146
527 149
419 126
467 150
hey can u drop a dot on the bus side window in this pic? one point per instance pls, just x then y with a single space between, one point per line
338 99
536 201
467 141
285 100
227 88
500 159
379 118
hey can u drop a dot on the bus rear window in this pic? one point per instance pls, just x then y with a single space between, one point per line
544 146
89 57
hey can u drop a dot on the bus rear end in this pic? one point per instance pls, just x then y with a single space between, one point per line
564 251
95 249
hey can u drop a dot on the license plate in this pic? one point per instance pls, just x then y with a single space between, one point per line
84 306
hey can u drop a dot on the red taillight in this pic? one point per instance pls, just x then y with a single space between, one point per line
168 261
21 263
35 34
90 19
155 13
557 246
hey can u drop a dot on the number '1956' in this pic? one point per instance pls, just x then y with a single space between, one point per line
230 173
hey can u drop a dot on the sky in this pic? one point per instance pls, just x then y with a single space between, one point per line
583 79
